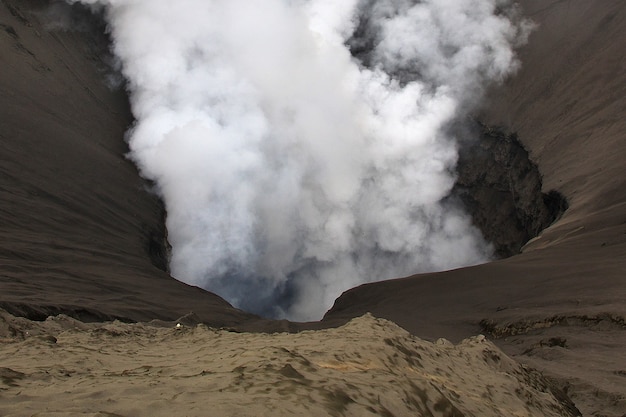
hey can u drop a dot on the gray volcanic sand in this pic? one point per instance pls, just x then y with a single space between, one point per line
81 234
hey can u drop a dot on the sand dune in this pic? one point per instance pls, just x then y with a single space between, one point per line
369 367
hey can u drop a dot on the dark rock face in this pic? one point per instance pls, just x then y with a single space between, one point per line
502 191
157 245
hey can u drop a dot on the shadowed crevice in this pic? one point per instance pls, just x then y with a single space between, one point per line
501 189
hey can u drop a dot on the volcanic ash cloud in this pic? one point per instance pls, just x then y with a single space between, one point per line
300 146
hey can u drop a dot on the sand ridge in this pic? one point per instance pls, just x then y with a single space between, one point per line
369 366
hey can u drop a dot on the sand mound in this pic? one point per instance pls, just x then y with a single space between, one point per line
369 366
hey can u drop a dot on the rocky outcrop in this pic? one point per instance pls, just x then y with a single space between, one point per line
502 190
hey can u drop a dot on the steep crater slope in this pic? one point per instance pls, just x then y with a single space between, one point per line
79 233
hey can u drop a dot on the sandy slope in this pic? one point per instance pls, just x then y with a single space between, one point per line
369 367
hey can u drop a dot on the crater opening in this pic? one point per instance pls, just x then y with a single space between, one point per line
497 183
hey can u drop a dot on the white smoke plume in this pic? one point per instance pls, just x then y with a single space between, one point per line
301 146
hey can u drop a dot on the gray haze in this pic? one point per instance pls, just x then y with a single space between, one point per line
300 146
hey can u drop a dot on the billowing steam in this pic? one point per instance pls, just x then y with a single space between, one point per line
300 145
